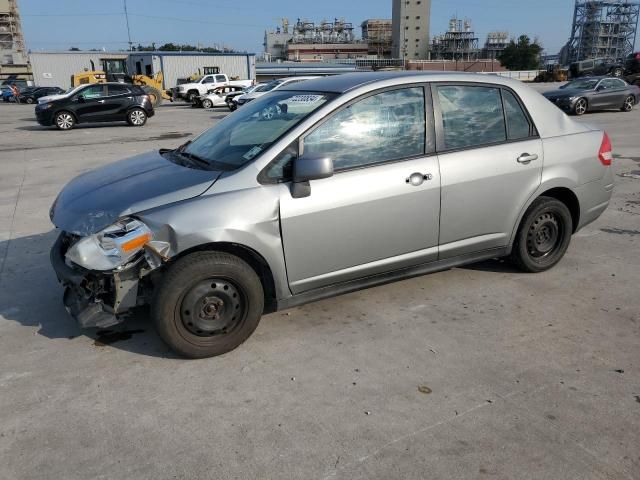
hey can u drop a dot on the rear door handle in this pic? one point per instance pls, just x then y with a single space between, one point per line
526 158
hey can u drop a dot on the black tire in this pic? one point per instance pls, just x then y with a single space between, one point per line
136 117
232 106
64 120
192 95
628 104
29 100
206 103
154 95
228 294
581 107
543 236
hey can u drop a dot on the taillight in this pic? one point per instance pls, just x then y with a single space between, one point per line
638 56
606 151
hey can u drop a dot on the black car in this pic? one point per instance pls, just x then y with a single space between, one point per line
32 95
595 93
596 66
102 102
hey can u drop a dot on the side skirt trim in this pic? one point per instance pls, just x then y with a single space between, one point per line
388 277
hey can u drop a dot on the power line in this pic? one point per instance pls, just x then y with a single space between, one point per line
126 16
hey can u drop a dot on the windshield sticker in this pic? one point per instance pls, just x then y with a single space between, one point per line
305 98
252 153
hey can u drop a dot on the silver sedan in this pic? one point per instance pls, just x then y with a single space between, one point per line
325 187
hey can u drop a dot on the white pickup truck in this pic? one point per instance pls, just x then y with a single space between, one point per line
190 91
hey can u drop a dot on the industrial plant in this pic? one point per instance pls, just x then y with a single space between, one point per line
13 55
602 29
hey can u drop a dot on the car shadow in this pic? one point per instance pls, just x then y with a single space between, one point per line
496 265
80 126
30 295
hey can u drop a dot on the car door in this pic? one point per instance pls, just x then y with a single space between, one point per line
380 209
209 82
490 163
117 102
89 103
614 93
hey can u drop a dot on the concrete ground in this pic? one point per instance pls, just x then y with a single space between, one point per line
476 372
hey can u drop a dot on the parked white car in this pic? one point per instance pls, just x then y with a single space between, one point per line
191 91
268 87
218 96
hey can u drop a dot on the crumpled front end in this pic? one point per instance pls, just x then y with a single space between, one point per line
102 298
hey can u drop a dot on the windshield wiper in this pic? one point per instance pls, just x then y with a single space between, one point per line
195 158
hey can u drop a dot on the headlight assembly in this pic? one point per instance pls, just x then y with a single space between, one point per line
112 247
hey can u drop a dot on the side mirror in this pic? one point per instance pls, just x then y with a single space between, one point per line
306 169
80 98
599 88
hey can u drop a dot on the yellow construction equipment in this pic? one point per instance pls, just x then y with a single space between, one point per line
553 73
151 85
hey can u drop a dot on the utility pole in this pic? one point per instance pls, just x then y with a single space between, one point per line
126 16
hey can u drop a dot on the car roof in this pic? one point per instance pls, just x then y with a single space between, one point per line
349 81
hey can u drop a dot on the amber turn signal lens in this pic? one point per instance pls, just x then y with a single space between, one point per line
136 243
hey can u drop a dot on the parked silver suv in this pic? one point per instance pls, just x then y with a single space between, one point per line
322 188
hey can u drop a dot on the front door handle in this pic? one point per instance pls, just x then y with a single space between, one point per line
416 179
100 101
525 158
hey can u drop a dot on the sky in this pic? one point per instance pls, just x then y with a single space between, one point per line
240 24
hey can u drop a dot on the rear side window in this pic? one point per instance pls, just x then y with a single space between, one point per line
383 127
117 90
471 116
221 78
518 126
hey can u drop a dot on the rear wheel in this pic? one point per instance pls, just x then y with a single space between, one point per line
617 72
232 105
29 100
207 304
137 117
543 236
628 104
580 108
64 120
191 96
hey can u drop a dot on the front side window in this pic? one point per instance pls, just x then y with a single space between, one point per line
207 79
471 116
383 127
95 91
243 136
518 126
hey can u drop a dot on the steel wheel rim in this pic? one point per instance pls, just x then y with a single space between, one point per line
212 307
137 117
628 103
544 236
65 121
581 107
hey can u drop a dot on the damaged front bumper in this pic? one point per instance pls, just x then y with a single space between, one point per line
95 299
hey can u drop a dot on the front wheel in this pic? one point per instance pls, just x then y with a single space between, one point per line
580 108
206 103
617 72
232 106
207 304
628 104
137 117
543 236
64 120
29 100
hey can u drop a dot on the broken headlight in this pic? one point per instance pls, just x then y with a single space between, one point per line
112 247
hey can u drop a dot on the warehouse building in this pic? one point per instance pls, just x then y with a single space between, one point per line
56 68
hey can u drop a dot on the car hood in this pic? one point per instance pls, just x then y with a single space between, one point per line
51 98
566 92
96 199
